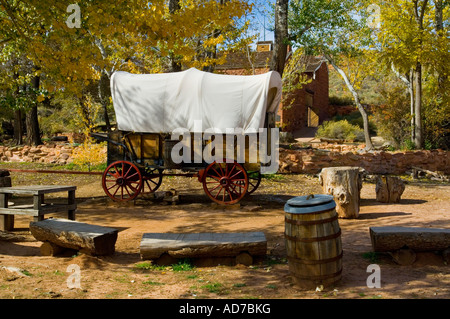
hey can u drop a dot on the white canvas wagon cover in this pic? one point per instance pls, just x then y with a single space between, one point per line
161 103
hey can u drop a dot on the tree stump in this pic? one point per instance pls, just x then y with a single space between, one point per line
389 189
345 184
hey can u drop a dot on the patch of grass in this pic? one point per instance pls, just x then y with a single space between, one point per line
215 287
373 257
239 285
59 273
273 177
27 273
270 286
153 283
147 265
124 278
275 261
183 265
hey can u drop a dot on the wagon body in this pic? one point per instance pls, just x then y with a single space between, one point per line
200 107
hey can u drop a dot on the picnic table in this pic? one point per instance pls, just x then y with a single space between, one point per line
39 207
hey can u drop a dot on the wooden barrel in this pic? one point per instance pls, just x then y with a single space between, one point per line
313 241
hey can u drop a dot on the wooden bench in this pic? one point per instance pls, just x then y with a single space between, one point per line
59 234
168 247
403 242
39 207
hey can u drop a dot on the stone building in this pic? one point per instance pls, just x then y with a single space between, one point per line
308 106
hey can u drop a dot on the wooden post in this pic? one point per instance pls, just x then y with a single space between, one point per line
71 201
345 184
6 221
37 205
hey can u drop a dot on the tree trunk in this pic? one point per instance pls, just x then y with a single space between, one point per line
102 87
18 127
439 22
418 132
419 13
281 36
365 117
32 122
345 184
175 64
408 80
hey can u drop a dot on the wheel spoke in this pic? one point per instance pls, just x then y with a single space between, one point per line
132 188
128 171
221 187
118 186
212 176
126 188
115 184
239 172
216 187
234 166
229 193
137 173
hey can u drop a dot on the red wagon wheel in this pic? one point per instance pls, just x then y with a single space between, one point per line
122 181
254 179
225 183
152 179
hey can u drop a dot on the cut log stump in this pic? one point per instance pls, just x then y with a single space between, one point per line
242 246
345 184
389 189
90 239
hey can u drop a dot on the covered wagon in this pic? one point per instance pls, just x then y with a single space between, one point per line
212 126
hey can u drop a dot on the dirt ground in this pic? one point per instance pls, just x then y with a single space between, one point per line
125 276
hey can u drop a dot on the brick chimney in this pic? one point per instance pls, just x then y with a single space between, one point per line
264 46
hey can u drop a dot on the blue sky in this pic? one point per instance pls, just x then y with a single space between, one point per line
262 19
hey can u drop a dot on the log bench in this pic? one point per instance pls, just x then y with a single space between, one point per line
60 234
403 242
166 248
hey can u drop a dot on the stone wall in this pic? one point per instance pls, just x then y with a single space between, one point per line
48 153
308 161
311 161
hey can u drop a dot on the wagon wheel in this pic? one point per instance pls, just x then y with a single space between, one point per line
225 183
122 181
152 179
254 179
